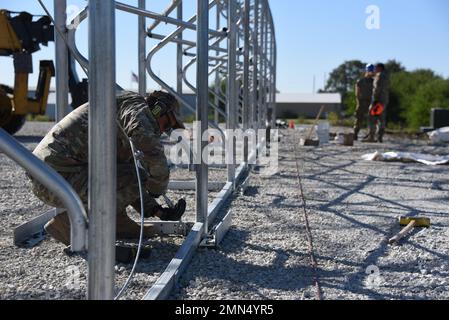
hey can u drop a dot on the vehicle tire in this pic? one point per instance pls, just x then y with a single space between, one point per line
9 121
13 124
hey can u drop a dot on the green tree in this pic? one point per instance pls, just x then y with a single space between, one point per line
392 66
404 86
343 78
350 103
433 94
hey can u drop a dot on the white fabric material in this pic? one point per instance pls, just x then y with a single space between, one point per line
426 159
439 136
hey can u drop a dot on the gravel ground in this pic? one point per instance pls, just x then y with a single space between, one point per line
45 272
353 208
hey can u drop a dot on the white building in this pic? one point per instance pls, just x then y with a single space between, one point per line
295 105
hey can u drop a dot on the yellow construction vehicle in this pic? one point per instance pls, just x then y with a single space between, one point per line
20 37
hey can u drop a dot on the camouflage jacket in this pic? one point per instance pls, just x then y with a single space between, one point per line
65 147
364 89
381 88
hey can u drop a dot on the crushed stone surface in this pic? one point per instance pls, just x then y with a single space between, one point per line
353 207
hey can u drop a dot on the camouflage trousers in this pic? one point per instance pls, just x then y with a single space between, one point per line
361 114
377 124
127 191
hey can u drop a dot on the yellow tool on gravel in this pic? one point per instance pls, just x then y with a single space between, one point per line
410 223
420 221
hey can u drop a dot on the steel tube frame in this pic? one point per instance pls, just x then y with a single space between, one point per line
251 58
263 66
152 15
255 37
54 183
102 149
265 71
202 102
217 71
176 4
179 51
246 73
61 60
232 87
141 49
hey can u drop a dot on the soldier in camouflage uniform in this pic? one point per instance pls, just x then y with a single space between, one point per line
381 93
363 92
65 149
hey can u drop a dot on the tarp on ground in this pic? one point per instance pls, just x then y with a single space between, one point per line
439 136
426 159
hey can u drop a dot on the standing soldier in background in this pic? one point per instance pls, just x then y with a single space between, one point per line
141 119
378 109
364 93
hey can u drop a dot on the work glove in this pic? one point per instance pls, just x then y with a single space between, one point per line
173 214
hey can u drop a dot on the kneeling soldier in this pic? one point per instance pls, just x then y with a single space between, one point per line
142 119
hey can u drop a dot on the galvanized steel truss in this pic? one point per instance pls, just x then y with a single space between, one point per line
238 48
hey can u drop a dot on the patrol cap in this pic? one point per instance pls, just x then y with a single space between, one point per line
381 66
370 67
163 103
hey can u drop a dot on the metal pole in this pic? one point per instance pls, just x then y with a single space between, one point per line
270 84
232 84
217 73
274 78
260 68
102 149
179 53
202 102
246 84
255 64
61 61
265 67
142 50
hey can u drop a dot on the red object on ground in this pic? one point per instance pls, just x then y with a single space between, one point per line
377 110
292 124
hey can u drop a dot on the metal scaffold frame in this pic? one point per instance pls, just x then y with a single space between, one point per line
235 79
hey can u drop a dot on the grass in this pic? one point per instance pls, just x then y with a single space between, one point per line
333 118
394 128
38 118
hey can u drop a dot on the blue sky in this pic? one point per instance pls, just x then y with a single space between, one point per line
313 38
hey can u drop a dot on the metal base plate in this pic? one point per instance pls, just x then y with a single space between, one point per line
31 233
218 233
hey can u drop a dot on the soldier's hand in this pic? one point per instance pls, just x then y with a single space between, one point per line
173 214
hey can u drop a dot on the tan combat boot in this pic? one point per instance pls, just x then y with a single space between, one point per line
127 229
369 139
59 228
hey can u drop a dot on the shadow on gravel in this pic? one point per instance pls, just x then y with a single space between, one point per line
29 139
338 177
162 252
256 277
252 191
